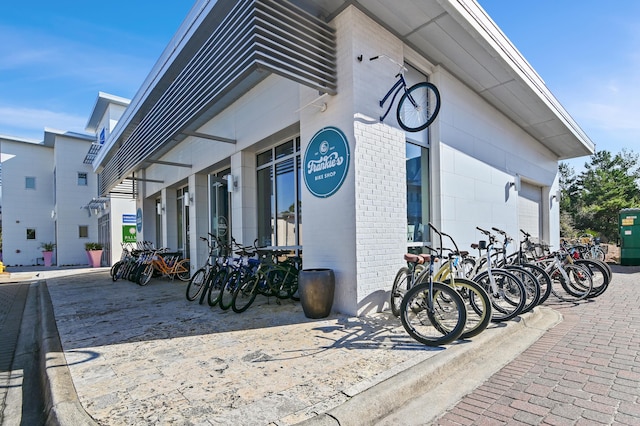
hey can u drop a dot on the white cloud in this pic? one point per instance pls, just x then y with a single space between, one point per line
30 122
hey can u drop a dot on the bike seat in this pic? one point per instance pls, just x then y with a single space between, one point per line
417 258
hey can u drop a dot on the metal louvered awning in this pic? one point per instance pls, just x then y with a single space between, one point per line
254 39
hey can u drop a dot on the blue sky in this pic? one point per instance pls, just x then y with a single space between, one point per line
56 56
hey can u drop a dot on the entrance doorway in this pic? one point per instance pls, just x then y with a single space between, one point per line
183 202
220 202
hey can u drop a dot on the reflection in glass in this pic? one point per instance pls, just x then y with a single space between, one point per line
417 165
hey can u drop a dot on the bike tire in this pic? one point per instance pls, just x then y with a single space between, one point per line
418 107
440 325
226 294
509 297
544 280
531 286
399 289
580 281
145 274
115 270
245 294
599 275
477 304
196 284
216 286
183 267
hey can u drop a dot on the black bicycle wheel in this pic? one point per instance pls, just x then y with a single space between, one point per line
531 286
218 281
599 275
544 280
226 294
418 107
508 296
580 281
437 323
115 270
244 294
196 284
399 289
145 274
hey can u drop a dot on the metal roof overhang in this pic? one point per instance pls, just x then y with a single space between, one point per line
227 48
455 34
459 36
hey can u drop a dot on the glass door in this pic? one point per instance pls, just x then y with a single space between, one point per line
183 221
220 201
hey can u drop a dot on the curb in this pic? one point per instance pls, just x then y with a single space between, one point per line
434 385
62 406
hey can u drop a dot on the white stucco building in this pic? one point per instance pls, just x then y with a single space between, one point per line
223 133
245 87
50 194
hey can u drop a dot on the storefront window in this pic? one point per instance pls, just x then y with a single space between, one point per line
279 196
417 165
220 201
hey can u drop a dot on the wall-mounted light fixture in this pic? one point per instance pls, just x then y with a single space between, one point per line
188 198
557 196
232 183
159 209
516 183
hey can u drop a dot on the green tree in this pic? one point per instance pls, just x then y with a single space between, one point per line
592 200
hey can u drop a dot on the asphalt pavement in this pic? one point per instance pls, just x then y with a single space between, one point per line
115 353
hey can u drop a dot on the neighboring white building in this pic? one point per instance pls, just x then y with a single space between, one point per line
116 212
50 194
45 184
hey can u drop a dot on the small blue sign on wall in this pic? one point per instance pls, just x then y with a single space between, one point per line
139 219
326 162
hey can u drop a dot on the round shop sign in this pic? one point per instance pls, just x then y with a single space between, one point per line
326 162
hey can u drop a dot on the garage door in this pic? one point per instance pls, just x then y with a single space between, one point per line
529 209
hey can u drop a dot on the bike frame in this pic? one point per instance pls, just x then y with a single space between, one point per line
401 84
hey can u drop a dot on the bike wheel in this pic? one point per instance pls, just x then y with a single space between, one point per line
437 323
543 278
580 282
115 270
418 107
477 304
216 287
508 297
145 274
196 284
599 276
245 294
183 268
226 294
531 286
398 290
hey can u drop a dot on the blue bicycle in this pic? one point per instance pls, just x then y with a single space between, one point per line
419 104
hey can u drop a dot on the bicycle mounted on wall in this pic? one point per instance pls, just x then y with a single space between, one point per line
419 104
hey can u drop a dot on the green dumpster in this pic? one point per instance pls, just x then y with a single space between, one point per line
629 236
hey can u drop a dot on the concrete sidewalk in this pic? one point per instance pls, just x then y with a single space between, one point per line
145 355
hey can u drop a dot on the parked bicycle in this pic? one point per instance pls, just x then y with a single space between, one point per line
419 104
571 282
475 297
200 283
432 312
507 292
272 277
